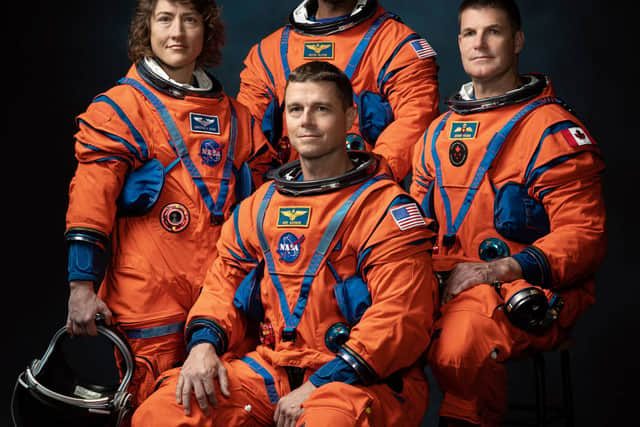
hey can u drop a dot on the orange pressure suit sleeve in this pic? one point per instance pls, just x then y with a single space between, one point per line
256 85
566 176
422 178
107 146
410 85
214 307
395 330
263 157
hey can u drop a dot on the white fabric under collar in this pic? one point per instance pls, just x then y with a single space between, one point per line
204 82
301 15
466 92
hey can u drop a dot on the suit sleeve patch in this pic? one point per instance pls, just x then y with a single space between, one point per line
576 136
407 216
423 49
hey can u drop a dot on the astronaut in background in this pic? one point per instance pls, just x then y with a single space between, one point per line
393 71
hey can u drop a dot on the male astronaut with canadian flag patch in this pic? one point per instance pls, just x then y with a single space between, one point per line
513 180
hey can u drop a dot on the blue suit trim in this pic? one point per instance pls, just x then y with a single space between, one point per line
215 208
293 318
269 382
144 150
156 331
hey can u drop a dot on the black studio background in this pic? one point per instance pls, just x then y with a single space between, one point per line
61 54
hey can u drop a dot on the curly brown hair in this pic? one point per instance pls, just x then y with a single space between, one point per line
139 31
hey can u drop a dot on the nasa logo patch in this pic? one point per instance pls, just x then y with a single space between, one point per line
174 217
210 152
202 123
458 153
289 247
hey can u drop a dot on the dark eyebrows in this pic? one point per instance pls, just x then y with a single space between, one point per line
313 105
474 29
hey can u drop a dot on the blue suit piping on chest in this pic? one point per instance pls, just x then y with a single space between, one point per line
496 143
355 57
177 142
292 319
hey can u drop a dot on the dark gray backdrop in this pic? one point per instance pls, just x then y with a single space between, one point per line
61 54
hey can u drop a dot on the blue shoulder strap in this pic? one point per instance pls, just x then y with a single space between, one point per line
493 149
284 48
293 318
357 55
215 208
364 43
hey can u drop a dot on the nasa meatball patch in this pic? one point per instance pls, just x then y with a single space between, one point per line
211 152
289 247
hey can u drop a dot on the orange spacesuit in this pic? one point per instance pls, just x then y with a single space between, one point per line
392 69
343 279
515 176
158 259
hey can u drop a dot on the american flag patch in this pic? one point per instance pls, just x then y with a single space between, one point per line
423 49
407 216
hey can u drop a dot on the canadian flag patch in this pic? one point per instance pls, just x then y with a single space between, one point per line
576 136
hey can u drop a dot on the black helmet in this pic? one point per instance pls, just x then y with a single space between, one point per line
52 391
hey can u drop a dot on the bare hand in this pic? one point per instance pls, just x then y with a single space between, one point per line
196 376
469 274
290 407
84 304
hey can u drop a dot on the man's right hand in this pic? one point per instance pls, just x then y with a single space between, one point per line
84 304
197 375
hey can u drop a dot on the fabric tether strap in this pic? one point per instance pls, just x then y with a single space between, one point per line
492 152
355 57
215 208
156 331
292 319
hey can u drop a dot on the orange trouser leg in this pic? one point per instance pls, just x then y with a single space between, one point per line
248 404
467 357
342 405
152 356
